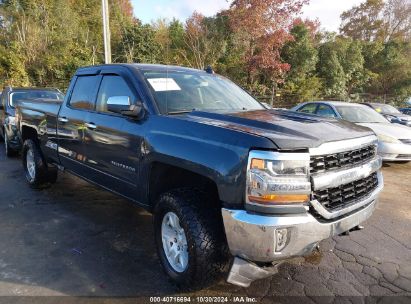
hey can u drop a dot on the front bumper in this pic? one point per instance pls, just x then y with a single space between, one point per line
394 152
253 237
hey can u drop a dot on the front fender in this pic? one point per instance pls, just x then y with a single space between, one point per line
217 153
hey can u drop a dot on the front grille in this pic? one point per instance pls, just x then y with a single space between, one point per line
351 158
344 195
406 141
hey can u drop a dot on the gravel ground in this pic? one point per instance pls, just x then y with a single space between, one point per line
77 240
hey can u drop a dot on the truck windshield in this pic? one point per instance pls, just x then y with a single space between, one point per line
360 114
177 92
35 94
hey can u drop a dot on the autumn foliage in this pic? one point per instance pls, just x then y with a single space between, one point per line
264 27
263 45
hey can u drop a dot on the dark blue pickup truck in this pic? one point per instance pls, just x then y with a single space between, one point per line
235 188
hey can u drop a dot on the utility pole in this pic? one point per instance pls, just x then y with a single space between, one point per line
106 31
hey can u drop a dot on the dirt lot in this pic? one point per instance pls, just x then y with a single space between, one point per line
77 240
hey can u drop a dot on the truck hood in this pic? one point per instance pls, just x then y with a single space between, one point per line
286 129
388 129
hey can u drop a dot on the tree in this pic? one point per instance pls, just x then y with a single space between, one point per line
363 22
138 44
378 20
262 27
392 66
199 49
331 71
301 82
397 20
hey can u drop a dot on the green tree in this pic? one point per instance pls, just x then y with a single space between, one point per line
301 82
392 66
331 71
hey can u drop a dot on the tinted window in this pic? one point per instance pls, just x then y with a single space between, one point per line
325 110
309 108
84 92
112 86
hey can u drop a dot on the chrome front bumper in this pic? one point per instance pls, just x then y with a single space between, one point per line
253 237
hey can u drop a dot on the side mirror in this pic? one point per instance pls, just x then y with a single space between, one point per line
117 104
122 105
135 111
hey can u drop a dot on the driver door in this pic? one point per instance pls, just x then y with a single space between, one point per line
112 141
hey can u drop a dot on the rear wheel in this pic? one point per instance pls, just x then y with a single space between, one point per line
190 239
10 152
37 173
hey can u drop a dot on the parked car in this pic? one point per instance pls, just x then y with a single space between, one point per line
391 113
406 111
10 97
235 189
394 140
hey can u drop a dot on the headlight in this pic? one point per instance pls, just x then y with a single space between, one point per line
388 139
278 178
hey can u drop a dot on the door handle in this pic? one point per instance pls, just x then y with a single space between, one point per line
63 119
90 125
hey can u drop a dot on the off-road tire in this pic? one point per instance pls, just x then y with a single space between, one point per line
10 152
43 176
208 255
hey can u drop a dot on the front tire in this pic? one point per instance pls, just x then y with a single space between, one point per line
190 239
37 173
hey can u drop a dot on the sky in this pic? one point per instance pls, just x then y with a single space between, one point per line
327 11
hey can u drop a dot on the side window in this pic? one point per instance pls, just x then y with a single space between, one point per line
113 86
83 92
326 111
309 108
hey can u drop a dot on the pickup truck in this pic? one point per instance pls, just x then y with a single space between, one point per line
235 189
8 99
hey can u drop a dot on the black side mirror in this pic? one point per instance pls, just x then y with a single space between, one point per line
122 105
134 111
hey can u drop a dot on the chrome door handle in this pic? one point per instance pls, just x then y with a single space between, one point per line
91 125
63 119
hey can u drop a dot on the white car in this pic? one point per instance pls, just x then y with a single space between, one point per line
394 139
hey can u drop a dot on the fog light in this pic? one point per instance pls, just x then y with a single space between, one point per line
281 239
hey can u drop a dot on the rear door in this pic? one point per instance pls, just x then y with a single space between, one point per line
113 141
72 118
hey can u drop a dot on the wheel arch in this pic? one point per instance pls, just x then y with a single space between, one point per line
164 177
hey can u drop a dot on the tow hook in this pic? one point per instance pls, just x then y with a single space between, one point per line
356 228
